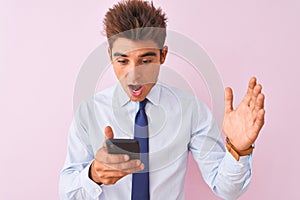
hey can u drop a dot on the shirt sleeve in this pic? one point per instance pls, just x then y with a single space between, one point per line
227 177
74 178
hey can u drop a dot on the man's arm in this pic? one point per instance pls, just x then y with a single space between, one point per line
85 173
74 178
227 177
226 173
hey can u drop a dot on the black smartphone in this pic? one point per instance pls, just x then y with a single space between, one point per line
130 147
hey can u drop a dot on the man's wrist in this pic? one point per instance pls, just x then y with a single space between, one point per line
90 173
237 153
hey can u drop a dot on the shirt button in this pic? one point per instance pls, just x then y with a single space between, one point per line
97 189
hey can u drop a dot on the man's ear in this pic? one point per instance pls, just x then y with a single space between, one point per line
164 53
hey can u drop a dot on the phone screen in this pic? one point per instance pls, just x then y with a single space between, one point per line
130 147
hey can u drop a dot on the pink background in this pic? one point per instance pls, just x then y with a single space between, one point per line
44 43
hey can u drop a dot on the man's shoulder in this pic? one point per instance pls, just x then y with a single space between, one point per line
100 97
105 94
181 94
186 97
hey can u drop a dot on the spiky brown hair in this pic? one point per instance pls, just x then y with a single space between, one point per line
136 20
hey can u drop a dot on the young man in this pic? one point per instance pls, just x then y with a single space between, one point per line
174 123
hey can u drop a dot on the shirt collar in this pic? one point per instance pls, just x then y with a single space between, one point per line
120 95
154 94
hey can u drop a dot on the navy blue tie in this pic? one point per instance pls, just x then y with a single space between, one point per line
140 180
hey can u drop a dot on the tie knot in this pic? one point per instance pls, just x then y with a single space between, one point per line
143 104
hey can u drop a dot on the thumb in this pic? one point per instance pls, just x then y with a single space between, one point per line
109 134
228 100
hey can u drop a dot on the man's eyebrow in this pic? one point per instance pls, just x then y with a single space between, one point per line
120 54
148 54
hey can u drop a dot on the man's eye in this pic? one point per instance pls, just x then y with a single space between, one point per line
147 61
122 61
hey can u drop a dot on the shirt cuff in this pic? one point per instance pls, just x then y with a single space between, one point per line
233 165
92 188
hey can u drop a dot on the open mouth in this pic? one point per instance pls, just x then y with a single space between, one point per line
136 90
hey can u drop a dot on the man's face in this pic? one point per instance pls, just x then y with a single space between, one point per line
136 65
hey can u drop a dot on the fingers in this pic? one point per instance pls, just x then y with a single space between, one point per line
260 120
248 95
110 174
103 156
228 100
135 169
129 166
102 174
259 104
256 91
121 169
256 103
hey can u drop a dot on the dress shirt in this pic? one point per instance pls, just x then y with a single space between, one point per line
178 123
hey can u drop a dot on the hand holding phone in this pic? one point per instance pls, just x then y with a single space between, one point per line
107 168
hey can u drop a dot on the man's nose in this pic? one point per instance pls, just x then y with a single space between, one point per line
135 71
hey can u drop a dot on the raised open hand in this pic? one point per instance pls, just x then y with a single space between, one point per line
242 125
